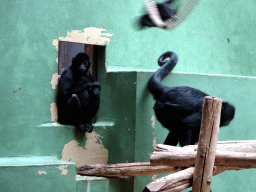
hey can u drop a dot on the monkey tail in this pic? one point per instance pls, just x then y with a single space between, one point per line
154 84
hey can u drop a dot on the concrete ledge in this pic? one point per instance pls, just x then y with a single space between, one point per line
37 174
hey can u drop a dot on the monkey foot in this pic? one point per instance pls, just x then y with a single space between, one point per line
80 129
89 128
83 128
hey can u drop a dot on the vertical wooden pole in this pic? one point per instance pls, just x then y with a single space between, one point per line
207 144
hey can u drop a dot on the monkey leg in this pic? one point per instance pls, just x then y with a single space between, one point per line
190 136
172 139
85 98
80 128
74 106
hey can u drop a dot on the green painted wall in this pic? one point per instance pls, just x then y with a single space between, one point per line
28 62
37 174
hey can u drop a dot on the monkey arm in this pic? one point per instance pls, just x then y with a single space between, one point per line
81 88
65 82
67 88
86 86
94 84
65 85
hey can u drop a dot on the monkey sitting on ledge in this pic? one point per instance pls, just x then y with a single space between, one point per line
78 95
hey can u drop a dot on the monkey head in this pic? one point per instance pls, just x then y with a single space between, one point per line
81 63
227 114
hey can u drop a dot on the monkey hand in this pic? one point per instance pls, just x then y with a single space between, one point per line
93 85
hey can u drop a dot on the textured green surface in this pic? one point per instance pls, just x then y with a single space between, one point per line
119 103
37 174
92 184
28 62
101 184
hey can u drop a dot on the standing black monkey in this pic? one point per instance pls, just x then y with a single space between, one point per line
165 12
78 96
179 109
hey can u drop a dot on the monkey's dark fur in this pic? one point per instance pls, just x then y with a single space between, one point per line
165 13
179 109
78 96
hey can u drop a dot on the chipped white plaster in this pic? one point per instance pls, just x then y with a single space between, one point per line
42 172
91 35
54 113
153 121
63 169
154 142
92 153
154 177
54 80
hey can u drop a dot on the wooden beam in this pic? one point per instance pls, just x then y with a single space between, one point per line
171 183
125 169
186 156
226 155
207 144
179 181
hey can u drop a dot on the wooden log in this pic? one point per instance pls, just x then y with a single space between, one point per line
172 183
220 169
125 169
237 141
187 159
233 146
174 155
207 144
185 156
135 169
178 181
190 150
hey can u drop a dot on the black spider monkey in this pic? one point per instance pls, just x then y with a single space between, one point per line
179 109
165 13
78 96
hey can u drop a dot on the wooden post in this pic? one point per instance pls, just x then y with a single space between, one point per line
207 144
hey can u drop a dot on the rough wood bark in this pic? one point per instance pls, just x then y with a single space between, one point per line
125 169
135 169
172 183
187 159
178 181
249 147
232 146
230 155
207 144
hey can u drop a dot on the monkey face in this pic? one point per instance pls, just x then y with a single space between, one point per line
81 63
83 67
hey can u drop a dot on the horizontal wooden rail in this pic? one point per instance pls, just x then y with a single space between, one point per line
125 169
186 157
180 157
